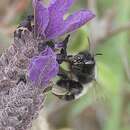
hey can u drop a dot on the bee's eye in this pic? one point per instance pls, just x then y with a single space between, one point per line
77 60
90 62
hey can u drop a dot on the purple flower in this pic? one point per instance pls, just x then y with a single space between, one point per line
43 67
49 20
50 24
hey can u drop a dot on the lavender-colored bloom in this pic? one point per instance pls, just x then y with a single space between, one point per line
43 67
49 20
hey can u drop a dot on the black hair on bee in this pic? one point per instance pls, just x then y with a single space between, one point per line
67 89
63 53
24 26
82 66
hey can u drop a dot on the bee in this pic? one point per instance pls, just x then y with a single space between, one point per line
82 71
24 26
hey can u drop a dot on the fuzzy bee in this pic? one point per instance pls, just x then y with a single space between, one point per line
24 26
82 71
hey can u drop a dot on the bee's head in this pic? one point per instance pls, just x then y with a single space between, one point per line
84 58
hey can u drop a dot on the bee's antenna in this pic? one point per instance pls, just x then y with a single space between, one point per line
91 47
89 44
98 54
66 40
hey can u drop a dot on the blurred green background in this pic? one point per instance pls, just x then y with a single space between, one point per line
106 105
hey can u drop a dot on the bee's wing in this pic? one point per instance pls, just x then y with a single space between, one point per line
91 45
97 92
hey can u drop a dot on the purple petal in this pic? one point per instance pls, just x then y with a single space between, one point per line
53 72
41 17
36 67
47 52
43 67
52 2
56 13
73 22
61 5
78 19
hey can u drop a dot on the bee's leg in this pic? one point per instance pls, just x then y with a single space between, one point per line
60 57
63 44
63 53
63 57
